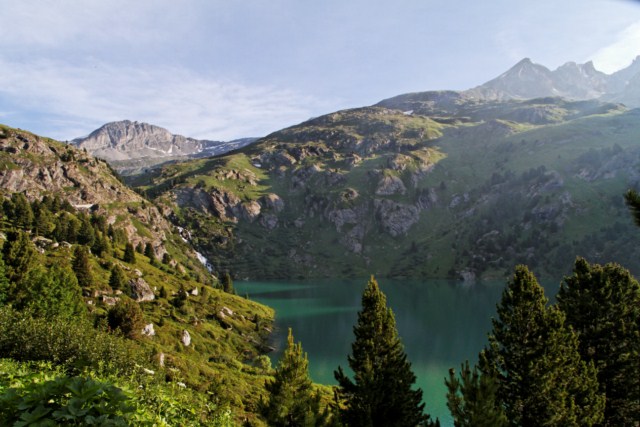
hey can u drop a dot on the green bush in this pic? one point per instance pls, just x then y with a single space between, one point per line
67 342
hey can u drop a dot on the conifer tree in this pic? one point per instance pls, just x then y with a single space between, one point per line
43 223
21 213
381 392
4 283
129 254
602 304
117 278
472 399
19 256
227 284
82 267
86 233
291 399
150 253
53 292
542 379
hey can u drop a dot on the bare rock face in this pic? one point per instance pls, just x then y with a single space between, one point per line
340 217
37 166
140 290
390 185
395 218
352 240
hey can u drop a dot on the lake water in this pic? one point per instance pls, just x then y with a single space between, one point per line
441 324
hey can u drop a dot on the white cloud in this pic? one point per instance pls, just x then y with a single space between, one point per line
75 97
620 53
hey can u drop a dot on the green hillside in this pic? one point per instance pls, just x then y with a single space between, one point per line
423 185
164 329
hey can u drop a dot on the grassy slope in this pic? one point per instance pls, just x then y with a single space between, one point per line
507 192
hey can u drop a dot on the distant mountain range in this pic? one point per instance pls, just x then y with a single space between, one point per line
527 80
131 147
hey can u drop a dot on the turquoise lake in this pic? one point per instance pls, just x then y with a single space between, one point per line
441 323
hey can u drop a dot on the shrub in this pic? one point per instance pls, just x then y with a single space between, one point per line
70 343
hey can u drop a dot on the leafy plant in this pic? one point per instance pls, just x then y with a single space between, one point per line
65 400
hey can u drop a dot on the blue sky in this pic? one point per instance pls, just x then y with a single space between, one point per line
224 69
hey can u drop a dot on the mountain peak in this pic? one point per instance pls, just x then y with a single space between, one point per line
130 146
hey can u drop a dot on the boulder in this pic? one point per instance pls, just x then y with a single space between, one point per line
109 300
140 290
272 202
186 338
148 330
225 311
250 210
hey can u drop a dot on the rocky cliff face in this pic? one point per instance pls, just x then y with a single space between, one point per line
130 146
38 166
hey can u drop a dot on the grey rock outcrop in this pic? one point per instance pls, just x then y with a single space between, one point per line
389 185
395 218
140 290
272 202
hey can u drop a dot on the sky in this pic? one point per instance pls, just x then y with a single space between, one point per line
226 69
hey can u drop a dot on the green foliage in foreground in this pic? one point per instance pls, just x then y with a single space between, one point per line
40 394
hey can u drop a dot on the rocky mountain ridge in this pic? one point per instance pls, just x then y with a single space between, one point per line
130 146
527 80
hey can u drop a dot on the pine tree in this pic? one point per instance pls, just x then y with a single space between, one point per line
4 283
150 253
381 392
602 304
227 284
53 293
43 223
117 278
82 267
129 254
472 399
633 202
86 233
291 398
21 212
542 379
19 256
